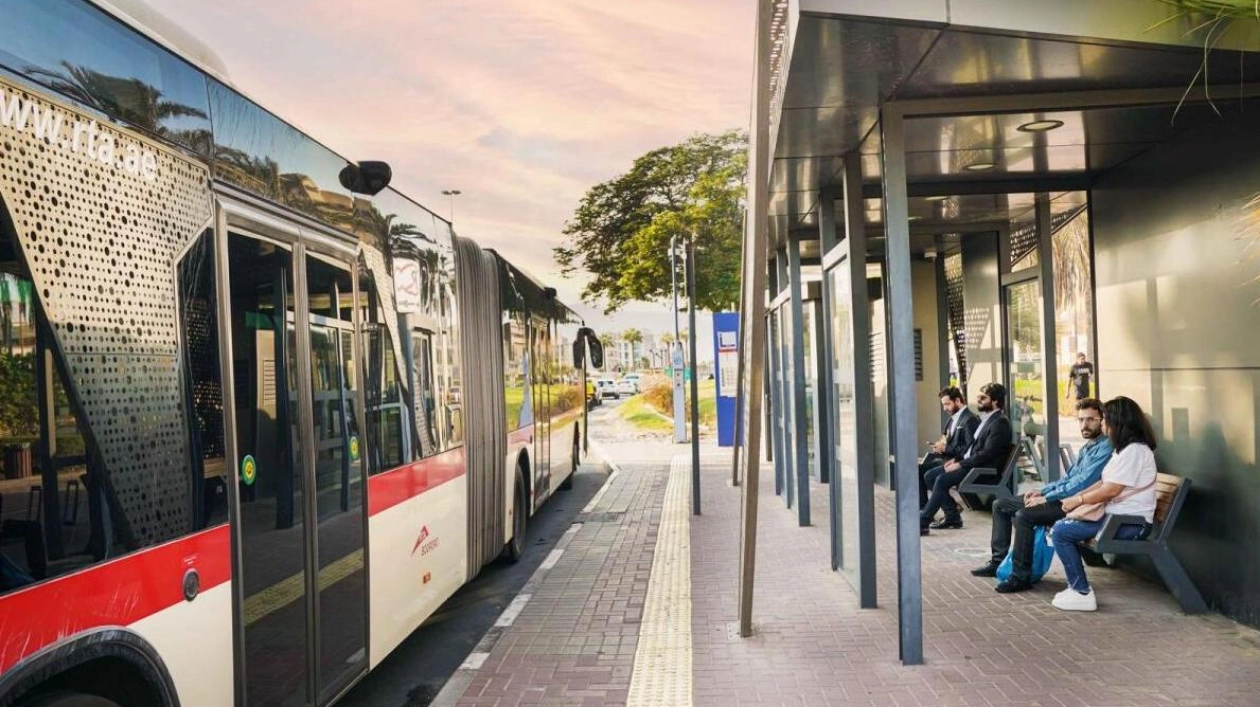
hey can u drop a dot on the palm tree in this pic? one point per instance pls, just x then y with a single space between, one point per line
633 337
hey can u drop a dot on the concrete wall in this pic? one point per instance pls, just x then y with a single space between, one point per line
982 311
1179 331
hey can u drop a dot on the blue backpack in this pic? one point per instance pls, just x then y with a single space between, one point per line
1043 555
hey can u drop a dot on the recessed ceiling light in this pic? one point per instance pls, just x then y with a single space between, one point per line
938 197
913 218
980 166
1040 126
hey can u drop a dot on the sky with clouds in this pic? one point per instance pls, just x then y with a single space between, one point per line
520 104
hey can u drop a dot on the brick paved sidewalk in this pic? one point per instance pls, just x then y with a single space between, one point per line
814 646
575 639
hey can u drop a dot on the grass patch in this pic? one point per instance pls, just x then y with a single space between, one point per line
639 413
661 397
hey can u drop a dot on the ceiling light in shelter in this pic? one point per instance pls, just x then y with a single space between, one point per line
1040 126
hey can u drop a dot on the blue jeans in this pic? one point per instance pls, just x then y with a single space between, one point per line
1067 533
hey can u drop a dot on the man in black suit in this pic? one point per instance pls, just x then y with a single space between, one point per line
989 449
959 431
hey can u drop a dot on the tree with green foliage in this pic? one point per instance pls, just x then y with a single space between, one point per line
620 233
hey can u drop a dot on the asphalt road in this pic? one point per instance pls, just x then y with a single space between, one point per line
414 673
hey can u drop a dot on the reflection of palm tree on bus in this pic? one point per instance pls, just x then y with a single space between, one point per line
135 101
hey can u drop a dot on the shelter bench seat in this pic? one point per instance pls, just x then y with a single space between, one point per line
1170 495
1000 483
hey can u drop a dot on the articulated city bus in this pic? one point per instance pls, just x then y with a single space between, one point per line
260 415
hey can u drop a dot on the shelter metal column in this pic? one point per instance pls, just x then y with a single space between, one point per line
794 340
863 404
945 338
823 356
1049 339
901 336
821 418
828 459
774 376
753 319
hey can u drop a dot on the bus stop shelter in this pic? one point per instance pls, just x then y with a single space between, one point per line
973 191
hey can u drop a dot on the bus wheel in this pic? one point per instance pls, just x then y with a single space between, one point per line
67 699
515 547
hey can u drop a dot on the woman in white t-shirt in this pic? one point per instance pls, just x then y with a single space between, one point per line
1127 487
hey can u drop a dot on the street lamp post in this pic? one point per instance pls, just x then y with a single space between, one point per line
452 193
680 425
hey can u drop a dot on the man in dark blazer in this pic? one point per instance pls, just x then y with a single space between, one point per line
960 429
988 450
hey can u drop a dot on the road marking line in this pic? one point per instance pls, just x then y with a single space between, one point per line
291 588
552 558
474 661
662 662
513 610
590 507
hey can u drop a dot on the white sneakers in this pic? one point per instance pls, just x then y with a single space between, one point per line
1071 600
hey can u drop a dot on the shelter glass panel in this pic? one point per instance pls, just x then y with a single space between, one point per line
1074 317
846 413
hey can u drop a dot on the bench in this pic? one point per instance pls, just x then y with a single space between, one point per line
1170 495
992 482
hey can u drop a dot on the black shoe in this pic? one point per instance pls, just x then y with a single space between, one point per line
947 524
924 531
1012 585
988 569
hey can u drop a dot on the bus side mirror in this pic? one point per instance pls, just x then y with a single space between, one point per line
368 178
597 351
586 337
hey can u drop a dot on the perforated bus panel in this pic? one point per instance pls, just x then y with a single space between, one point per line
100 239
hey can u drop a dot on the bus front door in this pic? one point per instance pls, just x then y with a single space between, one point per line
300 513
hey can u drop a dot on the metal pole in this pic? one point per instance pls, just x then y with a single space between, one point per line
680 423
794 342
754 319
1049 340
901 336
695 384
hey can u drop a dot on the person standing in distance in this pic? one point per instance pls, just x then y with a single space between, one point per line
1082 372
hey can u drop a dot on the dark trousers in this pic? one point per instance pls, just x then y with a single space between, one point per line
930 462
1011 512
941 481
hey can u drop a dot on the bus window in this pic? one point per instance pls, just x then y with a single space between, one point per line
516 393
423 391
71 498
388 444
203 389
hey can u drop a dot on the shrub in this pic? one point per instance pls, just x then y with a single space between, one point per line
660 395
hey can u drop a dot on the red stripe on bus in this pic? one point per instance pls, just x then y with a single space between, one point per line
115 593
390 488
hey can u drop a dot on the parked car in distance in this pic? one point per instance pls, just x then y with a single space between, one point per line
633 378
592 395
627 387
607 388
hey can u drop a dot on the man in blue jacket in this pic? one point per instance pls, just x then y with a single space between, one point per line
1043 506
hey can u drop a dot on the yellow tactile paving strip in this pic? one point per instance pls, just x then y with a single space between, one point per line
662 660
